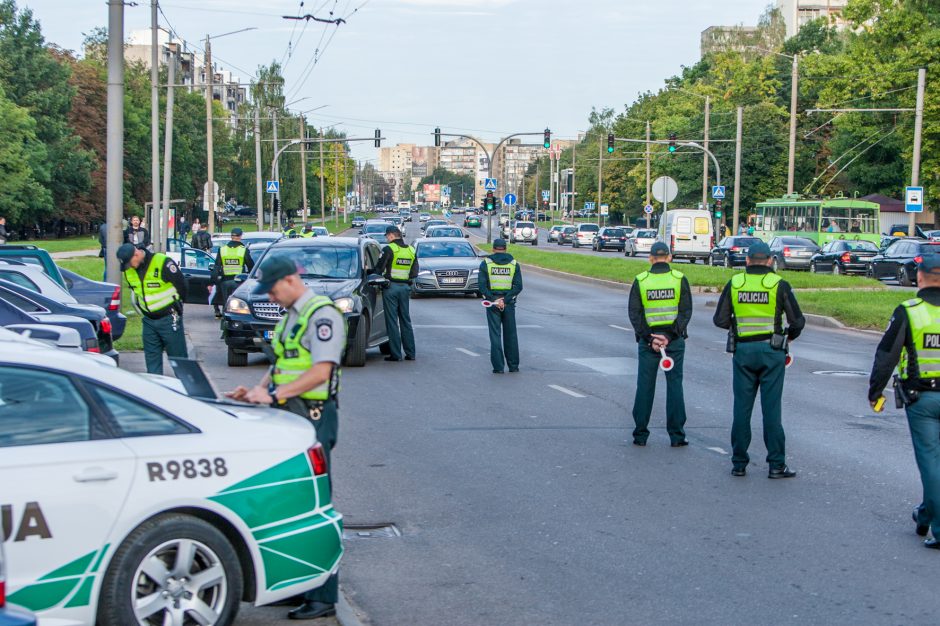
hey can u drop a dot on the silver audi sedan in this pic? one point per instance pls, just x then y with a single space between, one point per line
445 266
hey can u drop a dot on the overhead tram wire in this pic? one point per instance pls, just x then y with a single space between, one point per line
197 47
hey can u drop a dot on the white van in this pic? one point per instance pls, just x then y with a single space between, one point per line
689 233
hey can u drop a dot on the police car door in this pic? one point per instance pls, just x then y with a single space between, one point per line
64 482
371 255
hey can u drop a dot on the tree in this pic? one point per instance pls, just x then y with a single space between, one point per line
23 198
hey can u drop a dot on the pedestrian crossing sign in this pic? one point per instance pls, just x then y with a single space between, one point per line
273 186
718 192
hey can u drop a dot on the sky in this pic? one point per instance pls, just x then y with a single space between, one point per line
481 67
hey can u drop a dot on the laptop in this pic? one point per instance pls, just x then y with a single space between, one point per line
194 379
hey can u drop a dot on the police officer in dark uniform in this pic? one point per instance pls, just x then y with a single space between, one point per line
752 306
159 290
912 342
232 259
501 283
400 266
660 310
308 343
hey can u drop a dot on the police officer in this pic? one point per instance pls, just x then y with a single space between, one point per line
290 231
913 339
159 290
308 342
660 310
501 284
752 306
308 231
232 259
399 266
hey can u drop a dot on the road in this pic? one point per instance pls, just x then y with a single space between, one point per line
519 498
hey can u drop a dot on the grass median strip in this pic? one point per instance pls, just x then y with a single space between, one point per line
870 310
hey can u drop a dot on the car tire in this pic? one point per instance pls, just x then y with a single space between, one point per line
727 262
356 349
155 539
775 265
535 242
836 270
904 279
237 359
812 267
709 261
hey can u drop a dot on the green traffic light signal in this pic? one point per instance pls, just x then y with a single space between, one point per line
547 139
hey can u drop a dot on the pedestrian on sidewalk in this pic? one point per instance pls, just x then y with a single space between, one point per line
399 265
103 253
201 240
501 283
308 342
912 344
136 234
751 307
660 310
4 235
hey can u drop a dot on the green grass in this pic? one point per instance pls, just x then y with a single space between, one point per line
872 310
91 267
67 244
619 269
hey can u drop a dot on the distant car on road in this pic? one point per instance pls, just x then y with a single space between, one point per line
524 232
566 235
639 241
584 235
553 232
610 237
429 223
444 231
843 257
792 253
423 217
731 251
898 262
472 220
358 221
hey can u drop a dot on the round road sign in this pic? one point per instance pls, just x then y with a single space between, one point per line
665 189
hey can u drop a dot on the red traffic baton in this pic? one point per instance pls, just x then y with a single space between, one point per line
788 361
666 363
487 304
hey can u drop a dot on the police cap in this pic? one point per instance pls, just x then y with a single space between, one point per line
236 232
759 250
929 263
499 244
125 253
659 249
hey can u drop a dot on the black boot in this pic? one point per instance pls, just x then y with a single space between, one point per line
312 610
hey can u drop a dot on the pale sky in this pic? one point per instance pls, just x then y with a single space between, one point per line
485 67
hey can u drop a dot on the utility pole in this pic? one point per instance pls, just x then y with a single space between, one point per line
155 212
708 108
160 244
322 190
918 136
335 181
574 161
551 183
647 172
210 184
794 92
600 183
303 168
259 201
277 177
114 211
737 173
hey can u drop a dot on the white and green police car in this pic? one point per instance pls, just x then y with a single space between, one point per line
123 502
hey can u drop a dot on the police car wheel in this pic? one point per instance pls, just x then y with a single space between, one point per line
172 569
237 359
356 348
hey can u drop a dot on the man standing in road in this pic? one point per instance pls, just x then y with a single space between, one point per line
201 240
399 266
159 290
660 310
751 307
308 342
913 339
233 259
501 283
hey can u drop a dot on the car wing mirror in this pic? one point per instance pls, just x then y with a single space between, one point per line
211 266
240 278
377 280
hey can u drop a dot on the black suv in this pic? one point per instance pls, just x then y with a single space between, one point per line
342 268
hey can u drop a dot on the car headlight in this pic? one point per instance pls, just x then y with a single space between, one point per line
424 273
346 305
472 272
237 305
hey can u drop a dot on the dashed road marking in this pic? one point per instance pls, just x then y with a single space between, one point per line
624 328
718 450
467 352
468 326
573 394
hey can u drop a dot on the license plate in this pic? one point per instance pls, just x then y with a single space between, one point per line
268 335
452 281
803 253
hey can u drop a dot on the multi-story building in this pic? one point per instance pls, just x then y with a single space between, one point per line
796 13
460 157
396 159
729 38
513 162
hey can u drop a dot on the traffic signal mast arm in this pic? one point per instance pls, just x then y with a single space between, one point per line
690 144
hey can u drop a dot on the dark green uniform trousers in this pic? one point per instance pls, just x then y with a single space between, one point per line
160 335
757 366
646 371
327 428
396 298
923 417
504 340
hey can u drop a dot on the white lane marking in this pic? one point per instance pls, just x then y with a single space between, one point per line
718 450
573 394
629 330
467 352
467 326
612 366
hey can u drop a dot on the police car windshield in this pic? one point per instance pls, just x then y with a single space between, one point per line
321 261
444 249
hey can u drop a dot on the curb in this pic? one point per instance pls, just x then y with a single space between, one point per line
823 321
345 613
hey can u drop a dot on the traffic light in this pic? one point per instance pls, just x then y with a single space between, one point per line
718 209
547 140
378 138
672 142
610 143
437 137
490 202
277 204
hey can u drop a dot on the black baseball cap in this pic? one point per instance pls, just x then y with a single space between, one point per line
660 249
928 262
393 230
272 270
759 250
499 244
236 232
124 254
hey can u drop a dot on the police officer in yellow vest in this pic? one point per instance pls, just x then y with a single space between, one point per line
290 231
399 265
501 283
308 342
232 259
660 310
912 343
159 290
308 231
752 306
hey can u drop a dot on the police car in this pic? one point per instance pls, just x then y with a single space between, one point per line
124 502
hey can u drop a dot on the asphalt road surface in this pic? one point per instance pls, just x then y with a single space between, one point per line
520 499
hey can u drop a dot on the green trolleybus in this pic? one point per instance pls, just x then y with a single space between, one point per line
822 220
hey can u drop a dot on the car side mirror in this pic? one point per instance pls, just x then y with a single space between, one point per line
377 280
240 278
211 266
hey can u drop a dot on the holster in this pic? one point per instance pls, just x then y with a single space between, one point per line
904 397
731 343
778 342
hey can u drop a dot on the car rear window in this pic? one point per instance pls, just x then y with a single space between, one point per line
702 225
646 234
525 225
866 246
744 241
797 241
683 225
588 228
614 232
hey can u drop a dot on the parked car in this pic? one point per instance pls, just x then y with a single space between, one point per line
445 231
566 235
639 241
446 266
731 251
792 253
844 257
339 267
524 232
932 235
898 263
901 230
689 233
11 313
32 255
245 212
610 237
584 235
